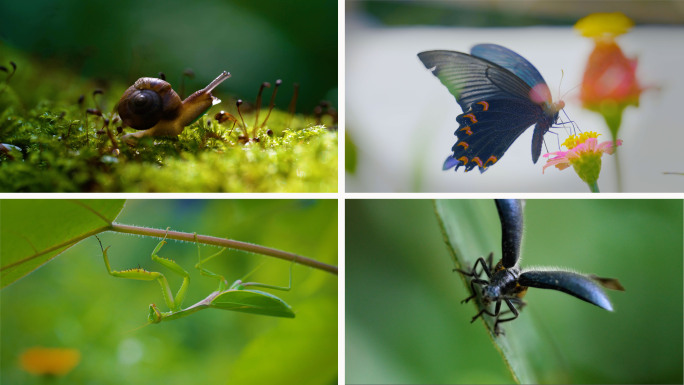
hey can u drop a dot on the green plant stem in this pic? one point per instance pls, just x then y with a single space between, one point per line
238 245
613 116
618 171
594 187
190 237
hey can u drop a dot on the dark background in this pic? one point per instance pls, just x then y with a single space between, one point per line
120 41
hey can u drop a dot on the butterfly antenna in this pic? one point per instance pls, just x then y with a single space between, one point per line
575 127
570 90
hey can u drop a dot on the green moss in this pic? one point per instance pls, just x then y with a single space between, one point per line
55 145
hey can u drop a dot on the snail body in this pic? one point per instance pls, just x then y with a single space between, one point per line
153 107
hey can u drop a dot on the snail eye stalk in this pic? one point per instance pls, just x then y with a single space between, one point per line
151 106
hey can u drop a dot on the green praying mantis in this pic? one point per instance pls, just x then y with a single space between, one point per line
235 297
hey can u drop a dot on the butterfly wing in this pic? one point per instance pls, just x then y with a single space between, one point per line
539 94
487 131
522 68
496 104
471 79
510 61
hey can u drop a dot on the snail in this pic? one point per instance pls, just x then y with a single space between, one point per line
150 104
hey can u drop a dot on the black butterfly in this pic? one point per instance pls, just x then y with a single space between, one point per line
501 95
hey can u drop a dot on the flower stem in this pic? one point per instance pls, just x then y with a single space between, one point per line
593 187
618 171
613 117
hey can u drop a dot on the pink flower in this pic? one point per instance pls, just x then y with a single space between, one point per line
584 155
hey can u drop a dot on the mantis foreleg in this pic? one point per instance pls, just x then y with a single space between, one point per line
174 303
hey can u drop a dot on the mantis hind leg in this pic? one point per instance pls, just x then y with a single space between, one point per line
237 285
223 284
173 303
240 285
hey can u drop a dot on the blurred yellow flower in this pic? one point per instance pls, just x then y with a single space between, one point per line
602 25
49 361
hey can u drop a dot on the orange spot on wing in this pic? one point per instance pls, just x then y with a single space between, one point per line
471 117
491 159
463 159
467 130
485 105
478 161
462 144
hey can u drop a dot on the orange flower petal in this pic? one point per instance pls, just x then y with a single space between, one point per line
53 361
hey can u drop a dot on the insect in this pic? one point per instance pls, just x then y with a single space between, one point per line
235 297
150 104
508 283
501 95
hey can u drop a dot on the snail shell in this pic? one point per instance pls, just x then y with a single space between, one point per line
148 101
150 104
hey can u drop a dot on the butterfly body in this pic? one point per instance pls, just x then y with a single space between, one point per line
501 95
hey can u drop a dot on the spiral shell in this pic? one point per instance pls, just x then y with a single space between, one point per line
148 101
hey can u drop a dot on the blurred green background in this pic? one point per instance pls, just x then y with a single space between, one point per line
405 322
120 41
72 302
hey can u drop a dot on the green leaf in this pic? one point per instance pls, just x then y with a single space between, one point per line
471 230
32 232
252 301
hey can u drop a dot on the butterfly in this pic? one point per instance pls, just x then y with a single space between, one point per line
501 95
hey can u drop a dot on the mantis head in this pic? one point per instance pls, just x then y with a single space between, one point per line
155 316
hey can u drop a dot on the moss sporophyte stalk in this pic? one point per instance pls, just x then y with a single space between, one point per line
63 137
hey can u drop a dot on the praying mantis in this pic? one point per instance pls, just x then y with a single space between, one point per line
234 297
